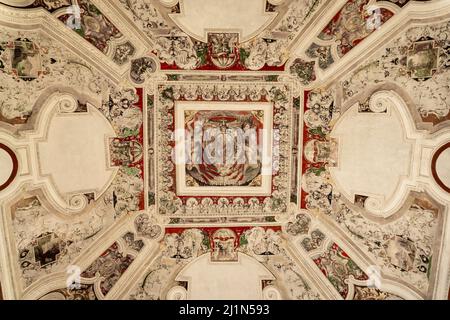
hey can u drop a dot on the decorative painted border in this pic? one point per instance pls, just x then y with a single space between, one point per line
276 93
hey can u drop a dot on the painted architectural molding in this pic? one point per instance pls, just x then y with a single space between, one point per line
58 124
411 14
385 113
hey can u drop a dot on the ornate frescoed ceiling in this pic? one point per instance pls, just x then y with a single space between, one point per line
343 194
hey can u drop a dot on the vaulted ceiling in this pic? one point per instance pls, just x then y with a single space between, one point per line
344 194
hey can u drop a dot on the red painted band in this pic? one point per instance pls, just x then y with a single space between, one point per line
15 166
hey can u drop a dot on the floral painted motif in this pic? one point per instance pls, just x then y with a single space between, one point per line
365 293
314 242
99 31
403 247
145 14
262 241
54 244
319 150
111 265
299 226
141 68
124 110
351 25
419 62
51 244
303 70
183 245
32 65
264 55
145 228
337 266
223 243
95 27
220 53
299 11
172 203
322 53
176 50
37 64
402 3
83 292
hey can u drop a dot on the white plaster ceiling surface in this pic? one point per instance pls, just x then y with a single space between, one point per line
343 192
248 17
